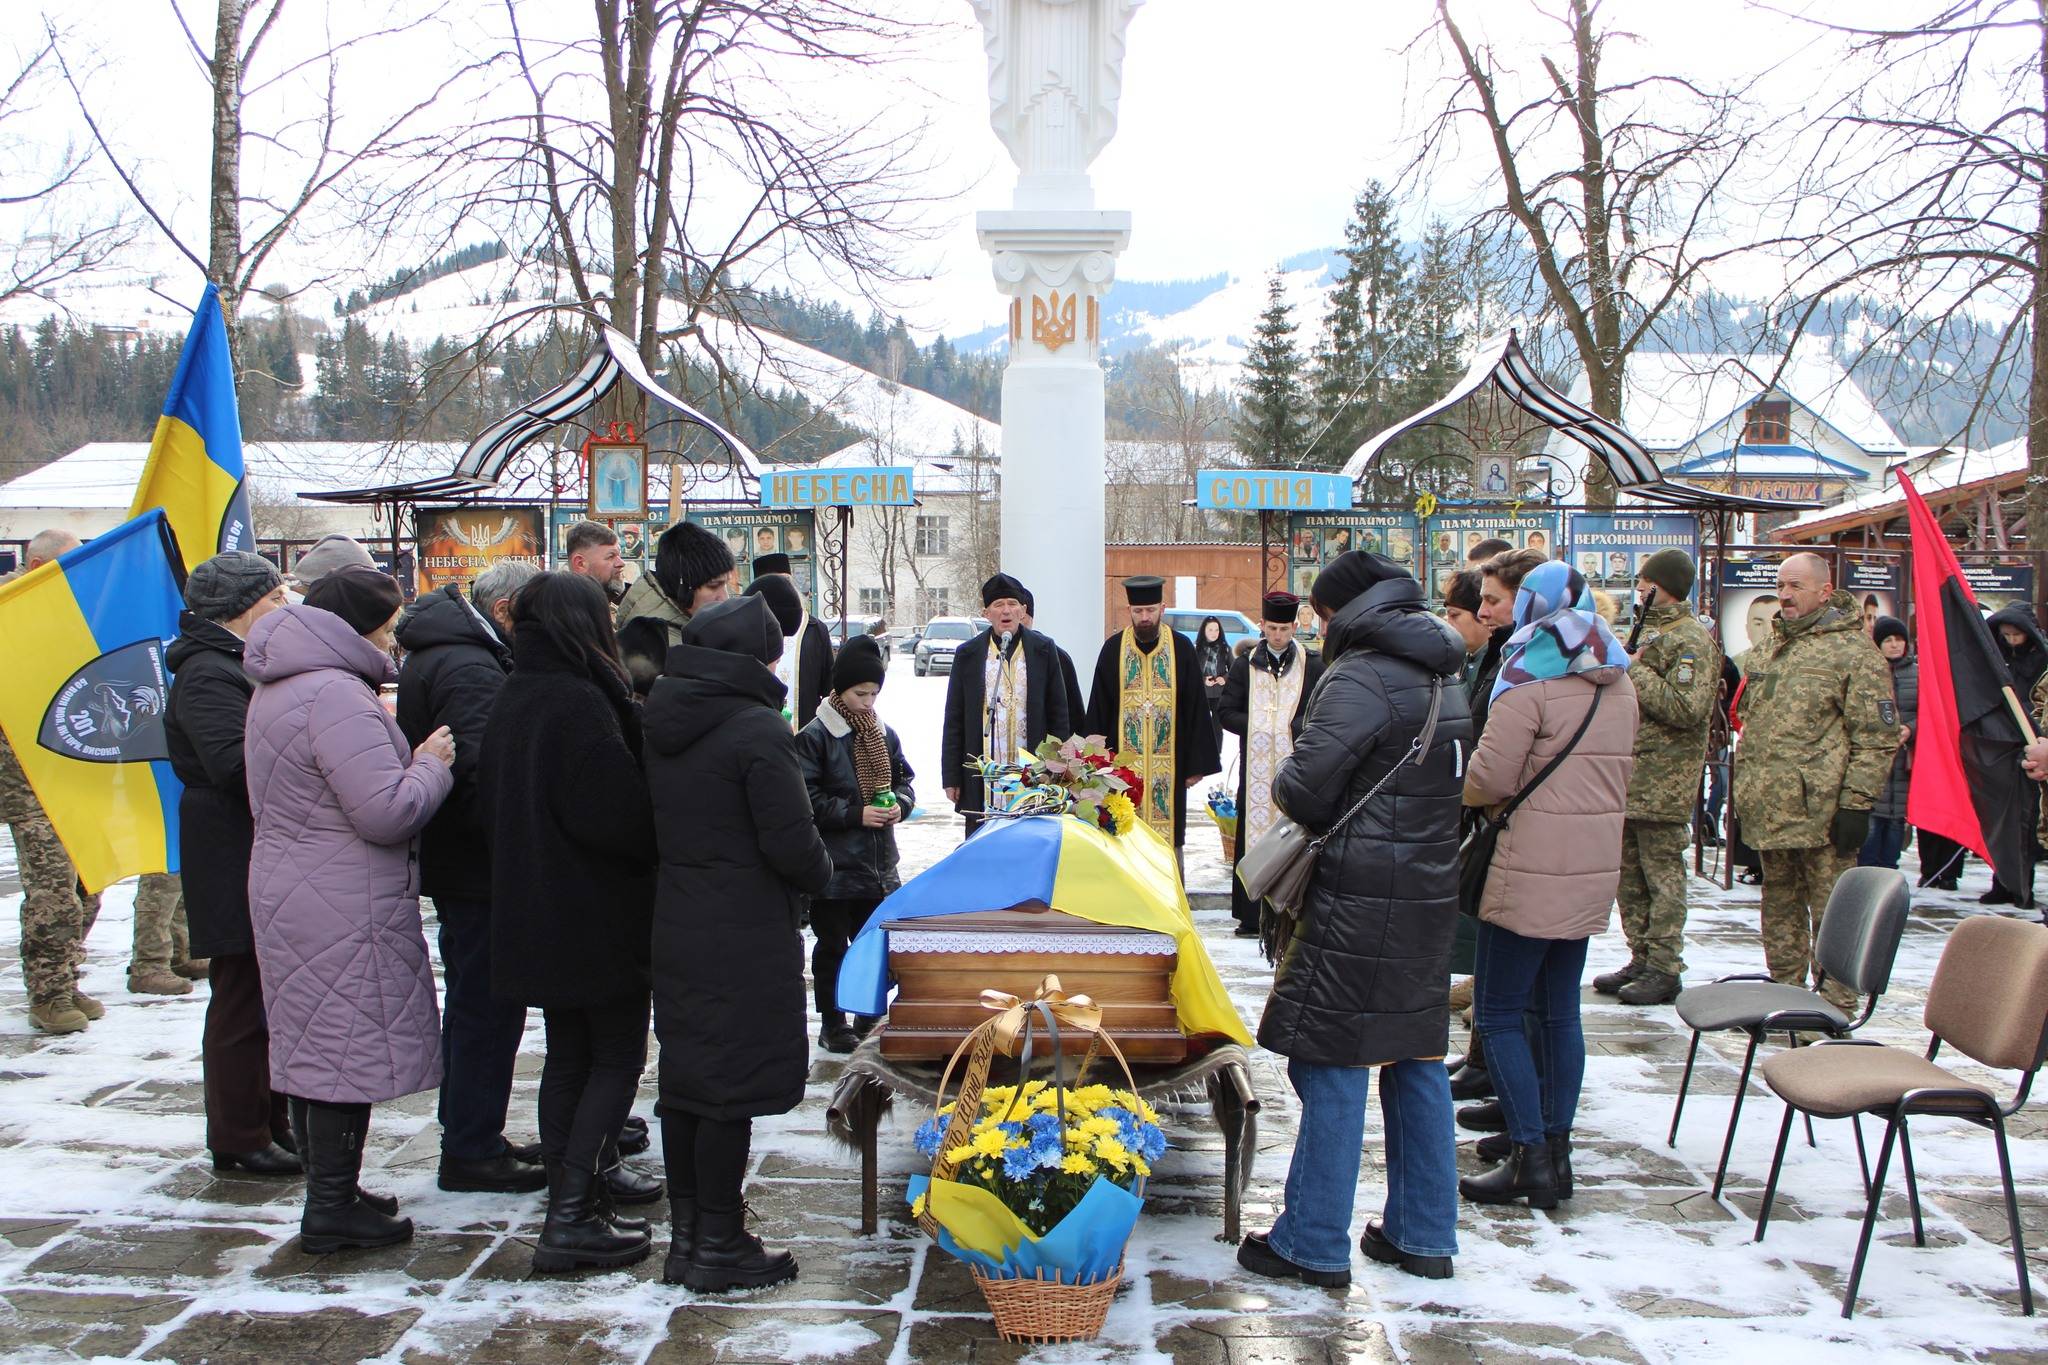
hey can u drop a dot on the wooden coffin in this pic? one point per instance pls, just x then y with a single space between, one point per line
943 963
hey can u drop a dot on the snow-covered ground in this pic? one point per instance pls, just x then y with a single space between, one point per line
116 1239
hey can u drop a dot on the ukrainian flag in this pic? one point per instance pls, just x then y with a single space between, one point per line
82 696
195 458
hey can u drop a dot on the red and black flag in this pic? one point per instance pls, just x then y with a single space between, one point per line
1966 782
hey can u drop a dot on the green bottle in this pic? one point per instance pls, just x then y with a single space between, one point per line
885 799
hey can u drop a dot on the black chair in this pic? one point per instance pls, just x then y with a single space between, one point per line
1989 1001
1859 939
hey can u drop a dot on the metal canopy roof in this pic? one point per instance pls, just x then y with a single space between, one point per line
483 464
1502 363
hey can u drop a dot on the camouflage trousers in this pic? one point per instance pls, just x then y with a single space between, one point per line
56 914
161 939
1652 893
1797 883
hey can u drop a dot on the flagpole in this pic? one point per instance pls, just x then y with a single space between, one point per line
2019 713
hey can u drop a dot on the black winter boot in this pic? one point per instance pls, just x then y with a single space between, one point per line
620 1181
633 1137
682 1237
336 1215
1561 1162
576 1236
1651 987
834 1035
295 1112
726 1256
1528 1173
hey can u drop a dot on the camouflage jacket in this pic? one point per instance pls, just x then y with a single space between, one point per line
1819 728
17 798
1677 673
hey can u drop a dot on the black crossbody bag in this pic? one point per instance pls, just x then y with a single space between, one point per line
1475 854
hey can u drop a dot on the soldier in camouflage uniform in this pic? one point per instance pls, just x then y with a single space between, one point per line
1676 670
1819 728
56 912
160 960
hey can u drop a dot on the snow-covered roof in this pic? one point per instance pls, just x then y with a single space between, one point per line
1769 462
102 474
935 473
1669 397
1945 472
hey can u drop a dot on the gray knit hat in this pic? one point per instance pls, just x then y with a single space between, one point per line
333 552
227 585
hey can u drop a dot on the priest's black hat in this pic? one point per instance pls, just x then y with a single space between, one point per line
1000 587
771 563
1144 590
1279 607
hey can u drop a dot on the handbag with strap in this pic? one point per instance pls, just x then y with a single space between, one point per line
1475 854
1278 867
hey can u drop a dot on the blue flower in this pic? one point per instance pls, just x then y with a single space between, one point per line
929 1134
1150 1142
1019 1163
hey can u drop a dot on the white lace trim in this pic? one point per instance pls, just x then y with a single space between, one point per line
954 941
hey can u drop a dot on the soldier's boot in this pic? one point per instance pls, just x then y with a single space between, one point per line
158 981
197 969
87 1006
57 1015
1610 983
1651 988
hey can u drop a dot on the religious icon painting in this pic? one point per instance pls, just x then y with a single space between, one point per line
618 479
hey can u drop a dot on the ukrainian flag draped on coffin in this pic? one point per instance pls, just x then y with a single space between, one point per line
195 458
82 697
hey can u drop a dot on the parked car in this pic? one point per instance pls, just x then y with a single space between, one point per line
937 641
858 625
1188 621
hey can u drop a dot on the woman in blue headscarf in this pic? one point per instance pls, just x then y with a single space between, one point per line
1563 691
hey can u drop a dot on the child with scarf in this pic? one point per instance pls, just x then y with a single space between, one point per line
1563 695
860 787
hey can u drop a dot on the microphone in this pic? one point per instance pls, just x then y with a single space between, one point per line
1003 643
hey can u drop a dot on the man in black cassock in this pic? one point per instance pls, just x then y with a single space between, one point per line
1147 699
805 667
1003 696
1077 706
1262 704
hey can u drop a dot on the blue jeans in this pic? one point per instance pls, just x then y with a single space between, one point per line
1886 840
1514 972
1421 1213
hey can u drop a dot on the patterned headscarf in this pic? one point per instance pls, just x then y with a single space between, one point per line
1556 630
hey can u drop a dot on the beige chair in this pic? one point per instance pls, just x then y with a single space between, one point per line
1989 1002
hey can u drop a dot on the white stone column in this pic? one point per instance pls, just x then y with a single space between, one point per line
1055 73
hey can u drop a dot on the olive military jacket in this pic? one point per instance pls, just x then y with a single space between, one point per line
1677 673
1819 728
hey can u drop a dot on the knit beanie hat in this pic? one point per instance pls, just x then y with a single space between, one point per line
860 661
1673 571
365 598
1887 627
686 558
1349 575
227 585
330 553
782 598
738 625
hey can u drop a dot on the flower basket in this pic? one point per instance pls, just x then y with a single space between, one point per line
1037 1187
1223 810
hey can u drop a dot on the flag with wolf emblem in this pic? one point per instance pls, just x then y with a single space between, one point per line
82 696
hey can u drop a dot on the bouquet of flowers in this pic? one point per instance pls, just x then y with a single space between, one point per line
1223 810
1037 1186
1079 775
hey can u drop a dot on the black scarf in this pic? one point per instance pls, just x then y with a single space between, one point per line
1276 664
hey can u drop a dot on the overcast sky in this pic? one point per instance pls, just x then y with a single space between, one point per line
1246 127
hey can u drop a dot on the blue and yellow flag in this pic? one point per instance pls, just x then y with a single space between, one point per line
82 697
195 458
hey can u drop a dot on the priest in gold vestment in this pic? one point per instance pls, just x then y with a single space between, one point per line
1147 701
1262 704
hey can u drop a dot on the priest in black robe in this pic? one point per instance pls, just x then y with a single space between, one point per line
1148 700
1077 705
1003 696
1262 704
805 667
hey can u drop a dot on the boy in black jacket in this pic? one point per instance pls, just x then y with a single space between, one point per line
860 787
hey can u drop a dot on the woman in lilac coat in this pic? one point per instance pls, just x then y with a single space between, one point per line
339 801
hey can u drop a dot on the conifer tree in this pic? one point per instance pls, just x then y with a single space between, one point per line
1271 428
1355 375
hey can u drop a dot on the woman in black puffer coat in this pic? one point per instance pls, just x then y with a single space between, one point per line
1361 982
860 835
571 847
739 853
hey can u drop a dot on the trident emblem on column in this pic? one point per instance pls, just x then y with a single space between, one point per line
1052 320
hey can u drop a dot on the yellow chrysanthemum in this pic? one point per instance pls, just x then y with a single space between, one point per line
1076 1163
990 1141
1113 1152
1095 1127
917 1206
956 1155
1122 814
1092 1097
1139 1165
